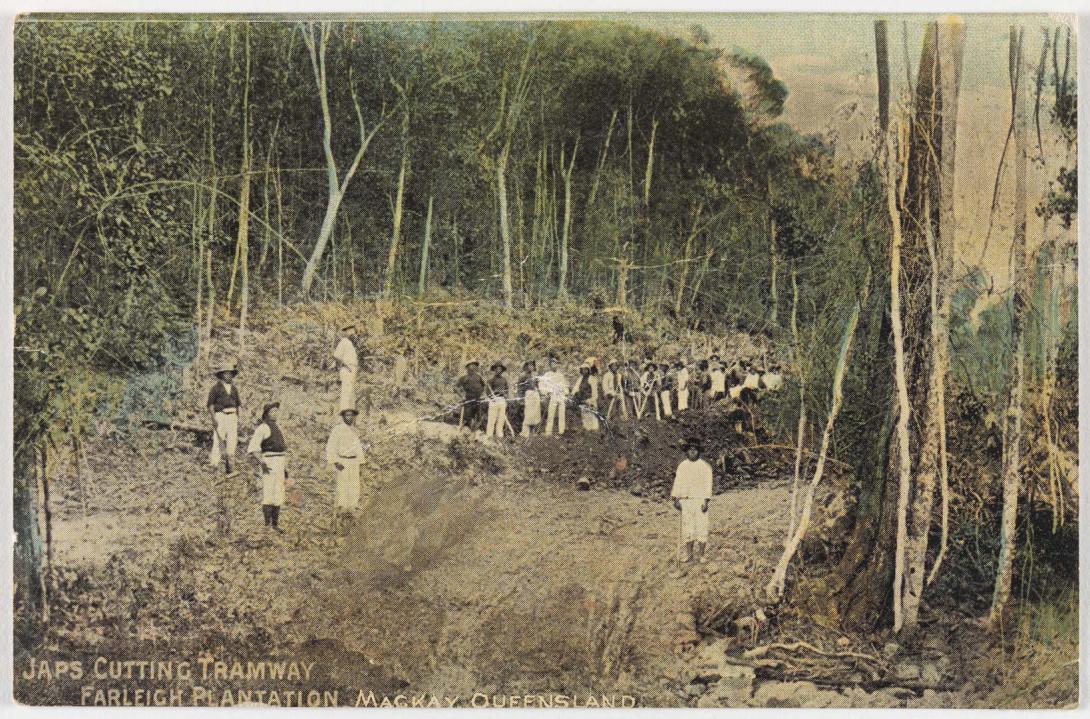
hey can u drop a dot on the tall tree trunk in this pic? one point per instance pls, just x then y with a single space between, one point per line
1012 439
395 235
336 185
951 53
29 577
566 170
505 231
874 571
774 588
422 284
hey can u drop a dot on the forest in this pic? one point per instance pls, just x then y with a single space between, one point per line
182 181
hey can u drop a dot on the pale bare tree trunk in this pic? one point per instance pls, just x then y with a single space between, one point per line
1012 439
210 306
951 53
566 170
896 184
801 432
774 253
774 588
505 231
337 185
601 161
395 236
650 164
422 285
244 254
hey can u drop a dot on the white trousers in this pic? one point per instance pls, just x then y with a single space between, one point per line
531 415
497 414
272 480
558 413
682 399
664 398
694 523
348 484
348 388
225 437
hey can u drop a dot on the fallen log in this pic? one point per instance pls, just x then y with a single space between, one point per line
202 433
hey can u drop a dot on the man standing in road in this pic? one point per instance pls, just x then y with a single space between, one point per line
344 454
267 445
223 405
692 492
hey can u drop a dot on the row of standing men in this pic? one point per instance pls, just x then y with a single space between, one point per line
604 390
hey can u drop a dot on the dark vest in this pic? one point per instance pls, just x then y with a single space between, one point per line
275 441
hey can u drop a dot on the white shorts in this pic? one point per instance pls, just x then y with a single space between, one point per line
694 523
272 480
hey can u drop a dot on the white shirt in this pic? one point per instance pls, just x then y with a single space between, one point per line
343 445
260 435
752 381
693 480
553 383
346 355
683 378
609 384
773 381
719 380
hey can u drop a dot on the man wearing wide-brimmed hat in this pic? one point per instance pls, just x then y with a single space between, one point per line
554 385
472 387
691 493
223 406
348 362
612 393
270 449
344 454
497 387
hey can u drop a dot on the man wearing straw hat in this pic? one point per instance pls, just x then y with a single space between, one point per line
472 387
348 363
691 493
223 405
343 455
267 445
497 386
554 385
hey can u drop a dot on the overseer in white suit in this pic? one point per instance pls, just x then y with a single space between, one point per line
344 454
691 493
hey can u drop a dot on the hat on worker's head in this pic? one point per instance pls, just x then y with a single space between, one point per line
498 366
692 444
472 363
528 365
351 325
349 409
268 405
225 367
614 363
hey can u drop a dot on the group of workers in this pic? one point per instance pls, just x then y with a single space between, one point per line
604 391
601 391
268 447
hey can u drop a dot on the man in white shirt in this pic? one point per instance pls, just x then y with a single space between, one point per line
718 376
343 455
554 386
691 493
681 384
347 364
268 446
